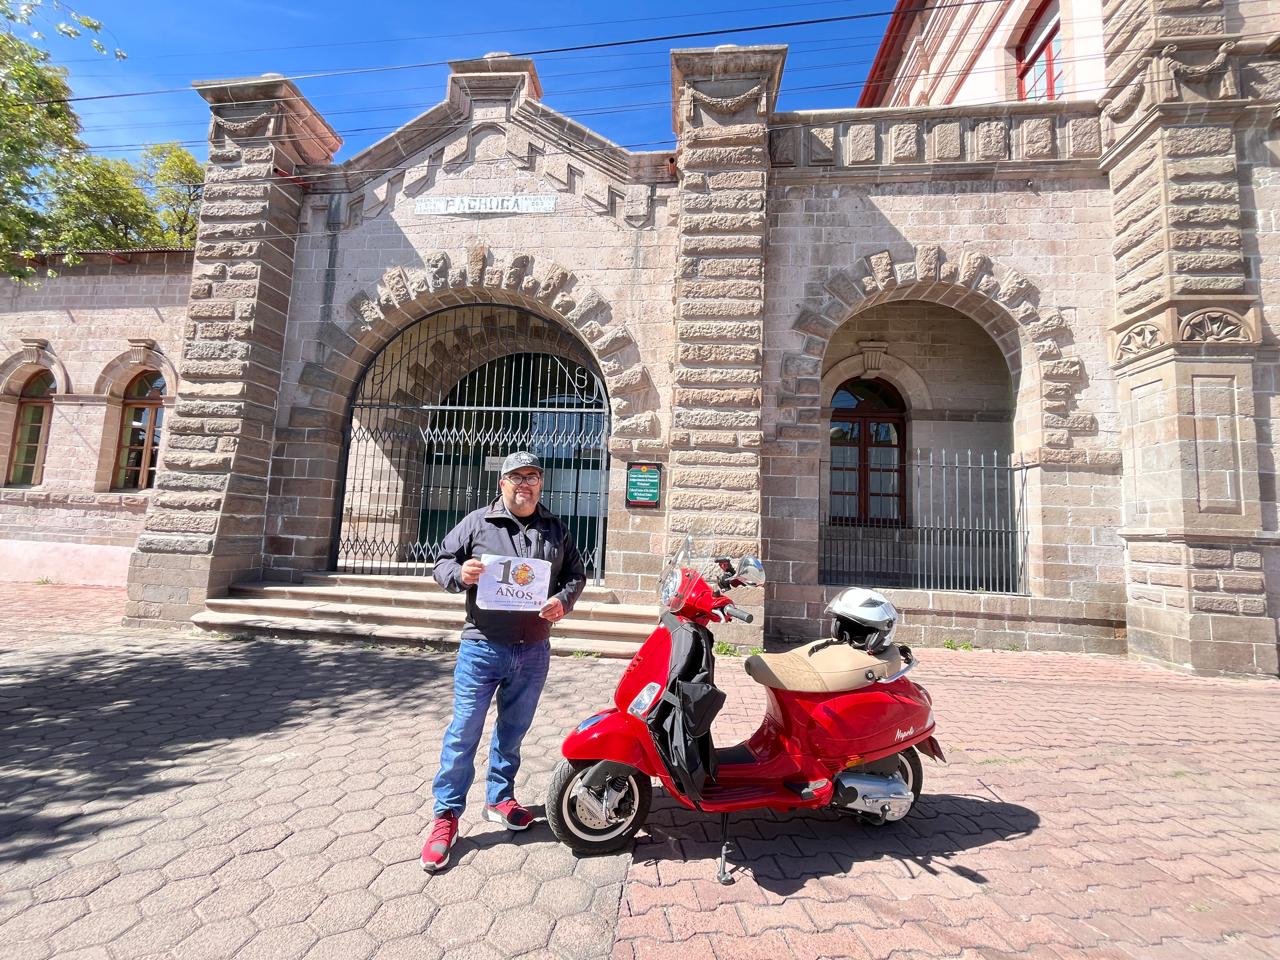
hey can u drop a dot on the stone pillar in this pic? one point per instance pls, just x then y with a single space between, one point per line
206 522
722 100
1185 337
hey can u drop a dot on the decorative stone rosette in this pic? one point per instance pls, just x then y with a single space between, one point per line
1203 326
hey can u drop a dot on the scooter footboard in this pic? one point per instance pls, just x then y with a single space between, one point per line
613 735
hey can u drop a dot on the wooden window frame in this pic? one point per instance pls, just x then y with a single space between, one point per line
150 445
864 470
1027 61
42 444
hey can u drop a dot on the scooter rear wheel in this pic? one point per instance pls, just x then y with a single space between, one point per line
911 770
578 827
912 773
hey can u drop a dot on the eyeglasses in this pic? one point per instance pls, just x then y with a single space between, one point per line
523 479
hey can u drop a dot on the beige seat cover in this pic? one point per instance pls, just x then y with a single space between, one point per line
834 669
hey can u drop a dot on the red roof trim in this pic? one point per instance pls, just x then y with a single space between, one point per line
889 55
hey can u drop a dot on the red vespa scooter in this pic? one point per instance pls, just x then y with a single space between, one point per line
841 730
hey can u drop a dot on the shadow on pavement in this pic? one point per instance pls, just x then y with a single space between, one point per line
83 738
537 832
781 851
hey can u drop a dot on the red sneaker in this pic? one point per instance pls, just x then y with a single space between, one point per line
510 814
444 833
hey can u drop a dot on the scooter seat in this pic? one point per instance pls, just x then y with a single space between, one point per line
837 668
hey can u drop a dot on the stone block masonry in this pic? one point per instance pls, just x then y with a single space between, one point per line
206 523
1186 342
716 412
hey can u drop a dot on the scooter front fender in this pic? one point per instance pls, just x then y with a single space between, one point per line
611 735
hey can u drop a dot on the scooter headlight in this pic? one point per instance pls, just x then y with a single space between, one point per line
669 592
644 700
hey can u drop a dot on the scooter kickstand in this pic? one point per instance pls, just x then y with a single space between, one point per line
722 874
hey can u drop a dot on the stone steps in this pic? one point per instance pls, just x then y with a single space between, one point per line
407 609
419 582
430 600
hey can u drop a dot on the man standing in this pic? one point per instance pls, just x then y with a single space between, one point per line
502 652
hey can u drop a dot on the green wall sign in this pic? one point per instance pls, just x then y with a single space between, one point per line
644 484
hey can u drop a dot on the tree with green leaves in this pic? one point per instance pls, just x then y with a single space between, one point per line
39 131
99 204
174 180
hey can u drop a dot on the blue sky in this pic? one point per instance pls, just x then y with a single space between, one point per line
623 94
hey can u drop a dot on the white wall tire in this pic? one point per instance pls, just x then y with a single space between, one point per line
577 828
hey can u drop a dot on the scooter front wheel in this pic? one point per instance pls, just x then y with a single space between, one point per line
588 822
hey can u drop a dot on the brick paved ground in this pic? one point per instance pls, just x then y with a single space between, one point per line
187 798
27 608
1091 807
176 797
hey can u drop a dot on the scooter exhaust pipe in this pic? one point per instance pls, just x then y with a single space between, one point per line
887 797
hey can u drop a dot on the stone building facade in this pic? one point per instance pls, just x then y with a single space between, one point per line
1014 362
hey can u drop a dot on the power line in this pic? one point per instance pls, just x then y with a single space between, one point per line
786 90
478 33
202 119
620 108
602 45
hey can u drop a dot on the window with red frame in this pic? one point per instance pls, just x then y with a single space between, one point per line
1040 56
868 442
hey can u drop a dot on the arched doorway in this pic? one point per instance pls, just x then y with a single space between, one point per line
438 409
922 489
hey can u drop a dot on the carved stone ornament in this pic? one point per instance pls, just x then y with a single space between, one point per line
32 347
1214 326
1180 71
241 127
140 349
725 104
1137 341
1121 106
873 353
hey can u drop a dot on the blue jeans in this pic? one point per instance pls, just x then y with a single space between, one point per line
516 672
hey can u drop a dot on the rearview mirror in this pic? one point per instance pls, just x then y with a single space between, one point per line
750 571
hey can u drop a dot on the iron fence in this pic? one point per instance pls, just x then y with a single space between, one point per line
964 528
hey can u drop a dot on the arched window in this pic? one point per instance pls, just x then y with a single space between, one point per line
135 465
868 442
1040 56
31 433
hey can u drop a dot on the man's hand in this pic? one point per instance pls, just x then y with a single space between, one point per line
552 610
470 574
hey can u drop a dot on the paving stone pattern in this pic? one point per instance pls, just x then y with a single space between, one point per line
27 608
168 796
1092 807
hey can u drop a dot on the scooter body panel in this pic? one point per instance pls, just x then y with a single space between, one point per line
613 735
648 665
862 725
807 739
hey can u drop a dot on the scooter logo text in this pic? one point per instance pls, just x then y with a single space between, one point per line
903 734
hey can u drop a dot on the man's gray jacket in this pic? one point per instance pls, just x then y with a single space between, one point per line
494 530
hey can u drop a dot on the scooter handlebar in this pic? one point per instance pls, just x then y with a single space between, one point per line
736 613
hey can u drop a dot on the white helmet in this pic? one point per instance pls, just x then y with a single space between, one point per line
863 618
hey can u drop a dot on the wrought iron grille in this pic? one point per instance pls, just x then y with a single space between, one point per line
964 529
440 408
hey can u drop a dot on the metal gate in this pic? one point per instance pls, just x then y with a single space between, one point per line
964 528
440 408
